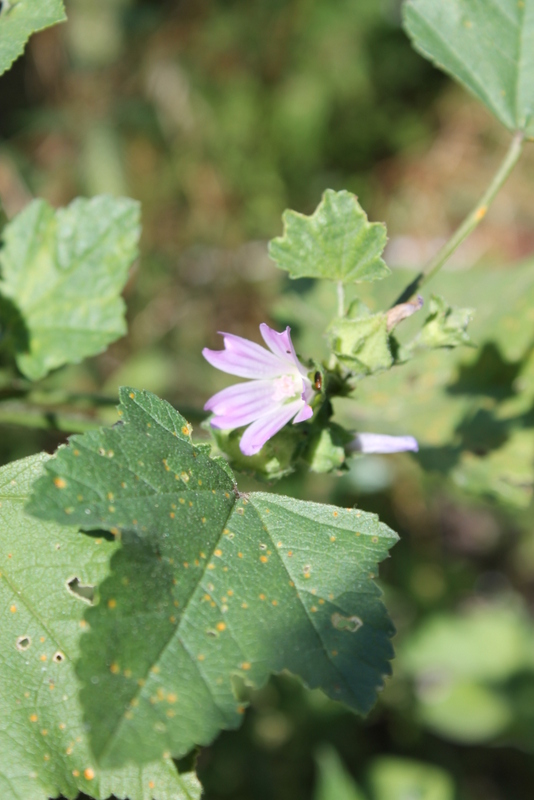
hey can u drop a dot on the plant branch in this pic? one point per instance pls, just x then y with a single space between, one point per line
471 222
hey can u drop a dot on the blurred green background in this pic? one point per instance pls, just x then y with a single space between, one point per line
217 115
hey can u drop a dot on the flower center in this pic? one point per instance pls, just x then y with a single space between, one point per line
286 387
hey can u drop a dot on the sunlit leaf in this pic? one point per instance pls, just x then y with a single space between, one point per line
64 270
19 19
210 588
486 46
48 572
337 242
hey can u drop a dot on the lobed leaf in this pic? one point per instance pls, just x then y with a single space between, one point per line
337 242
210 588
19 19
46 570
64 271
486 46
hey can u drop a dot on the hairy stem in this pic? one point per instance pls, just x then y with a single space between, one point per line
471 222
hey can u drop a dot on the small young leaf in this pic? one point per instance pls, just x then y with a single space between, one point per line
486 46
337 242
64 270
209 586
44 750
445 326
18 20
362 345
325 450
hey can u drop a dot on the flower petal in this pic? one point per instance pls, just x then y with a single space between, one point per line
244 358
281 345
241 404
379 443
239 393
265 428
305 413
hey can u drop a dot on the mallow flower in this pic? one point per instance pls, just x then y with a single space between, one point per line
279 389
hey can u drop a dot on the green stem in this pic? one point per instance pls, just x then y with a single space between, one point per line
471 222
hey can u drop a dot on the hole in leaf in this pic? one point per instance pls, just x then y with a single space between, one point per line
349 624
80 590
23 642
58 657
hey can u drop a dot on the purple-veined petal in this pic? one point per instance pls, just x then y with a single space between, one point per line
380 443
241 404
281 345
238 394
244 358
305 413
265 428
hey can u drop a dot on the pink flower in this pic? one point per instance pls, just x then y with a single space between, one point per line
279 391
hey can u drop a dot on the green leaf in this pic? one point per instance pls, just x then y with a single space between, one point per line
403 779
65 270
362 345
210 586
44 750
486 46
337 242
325 449
333 780
19 19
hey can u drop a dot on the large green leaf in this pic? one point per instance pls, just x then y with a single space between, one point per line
19 19
45 569
487 45
337 242
211 587
64 270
